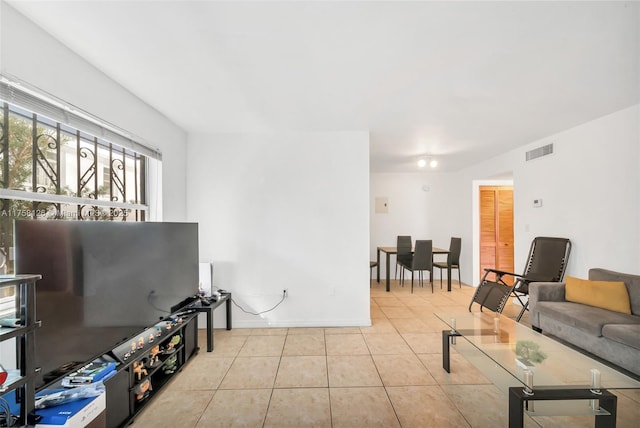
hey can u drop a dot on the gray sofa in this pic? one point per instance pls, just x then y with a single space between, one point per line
612 336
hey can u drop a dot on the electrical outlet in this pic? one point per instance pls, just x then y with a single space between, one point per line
285 293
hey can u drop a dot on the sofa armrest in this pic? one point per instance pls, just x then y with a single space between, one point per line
543 292
546 291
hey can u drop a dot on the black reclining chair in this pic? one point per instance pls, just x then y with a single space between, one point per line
547 262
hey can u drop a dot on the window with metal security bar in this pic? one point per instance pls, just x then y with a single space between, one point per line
50 170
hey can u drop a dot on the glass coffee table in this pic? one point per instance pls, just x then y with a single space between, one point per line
536 367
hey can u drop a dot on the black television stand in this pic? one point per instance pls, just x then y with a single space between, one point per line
149 360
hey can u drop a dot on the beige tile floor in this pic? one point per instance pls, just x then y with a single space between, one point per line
386 375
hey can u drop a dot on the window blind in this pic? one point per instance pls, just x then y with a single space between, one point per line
22 95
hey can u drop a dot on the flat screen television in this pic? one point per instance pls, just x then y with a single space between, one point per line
102 282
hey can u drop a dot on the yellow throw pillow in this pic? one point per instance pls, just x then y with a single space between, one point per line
611 295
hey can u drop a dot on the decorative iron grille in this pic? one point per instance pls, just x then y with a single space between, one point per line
49 170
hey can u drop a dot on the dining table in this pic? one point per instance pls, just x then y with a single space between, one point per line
394 250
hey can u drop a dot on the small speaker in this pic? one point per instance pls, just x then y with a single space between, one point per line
206 279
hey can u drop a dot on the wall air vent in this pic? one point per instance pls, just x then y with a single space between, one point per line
539 152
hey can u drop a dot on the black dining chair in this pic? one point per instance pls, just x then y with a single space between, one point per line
372 264
453 259
422 260
403 254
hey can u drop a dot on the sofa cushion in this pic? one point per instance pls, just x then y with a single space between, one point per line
626 334
631 281
610 295
583 317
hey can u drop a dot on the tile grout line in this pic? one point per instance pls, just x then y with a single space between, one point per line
273 386
326 362
386 391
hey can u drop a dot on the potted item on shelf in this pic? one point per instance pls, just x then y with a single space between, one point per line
528 354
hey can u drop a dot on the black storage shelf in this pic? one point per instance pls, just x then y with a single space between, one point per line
122 414
120 388
156 375
153 370
7 333
158 380
24 334
15 384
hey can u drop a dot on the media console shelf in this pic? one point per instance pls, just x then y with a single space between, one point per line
146 362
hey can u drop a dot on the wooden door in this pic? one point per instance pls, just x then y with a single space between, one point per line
496 228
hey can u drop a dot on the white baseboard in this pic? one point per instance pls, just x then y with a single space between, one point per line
297 323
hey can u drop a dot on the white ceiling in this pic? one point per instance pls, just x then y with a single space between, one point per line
462 81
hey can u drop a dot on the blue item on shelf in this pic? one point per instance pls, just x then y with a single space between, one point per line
55 397
74 414
89 373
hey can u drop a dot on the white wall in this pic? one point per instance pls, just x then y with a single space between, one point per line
415 208
31 55
285 210
590 189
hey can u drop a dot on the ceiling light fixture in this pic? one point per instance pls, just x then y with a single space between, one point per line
422 162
